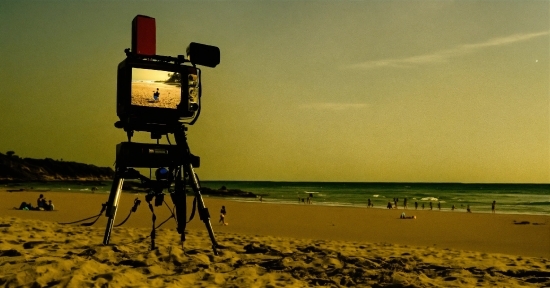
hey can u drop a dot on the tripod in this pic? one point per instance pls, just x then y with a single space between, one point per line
180 162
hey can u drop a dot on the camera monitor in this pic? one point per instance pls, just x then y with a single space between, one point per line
156 92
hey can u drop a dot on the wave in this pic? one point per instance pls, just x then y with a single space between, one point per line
429 199
543 203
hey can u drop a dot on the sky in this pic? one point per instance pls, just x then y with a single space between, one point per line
362 91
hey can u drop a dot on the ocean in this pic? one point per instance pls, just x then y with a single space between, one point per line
510 198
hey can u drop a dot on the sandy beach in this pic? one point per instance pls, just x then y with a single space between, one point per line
269 245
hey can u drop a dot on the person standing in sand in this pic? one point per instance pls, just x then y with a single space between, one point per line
493 206
439 206
431 207
415 205
405 203
222 216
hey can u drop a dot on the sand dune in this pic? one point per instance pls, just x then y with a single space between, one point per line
35 251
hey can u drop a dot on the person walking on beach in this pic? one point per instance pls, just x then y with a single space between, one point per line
405 203
468 209
422 206
368 203
431 207
415 205
493 206
222 216
439 205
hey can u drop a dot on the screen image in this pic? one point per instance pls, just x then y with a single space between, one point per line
154 88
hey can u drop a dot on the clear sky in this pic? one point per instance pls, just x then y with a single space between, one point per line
438 91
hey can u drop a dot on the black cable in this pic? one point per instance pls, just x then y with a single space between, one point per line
193 210
171 216
103 208
134 209
91 223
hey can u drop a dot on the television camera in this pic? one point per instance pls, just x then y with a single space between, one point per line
160 95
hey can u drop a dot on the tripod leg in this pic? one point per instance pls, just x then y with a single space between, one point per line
181 140
203 211
112 203
180 200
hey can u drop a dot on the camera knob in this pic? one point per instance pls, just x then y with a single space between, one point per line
193 107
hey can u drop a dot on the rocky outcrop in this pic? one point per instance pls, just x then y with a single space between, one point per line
14 168
222 192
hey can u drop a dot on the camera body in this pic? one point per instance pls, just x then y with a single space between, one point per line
155 90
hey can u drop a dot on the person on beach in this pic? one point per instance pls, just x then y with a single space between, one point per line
431 207
49 206
415 205
41 202
24 206
156 95
439 206
395 200
493 206
422 206
405 203
368 203
468 209
389 205
453 208
407 217
222 216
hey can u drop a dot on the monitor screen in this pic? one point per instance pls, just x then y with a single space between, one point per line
155 88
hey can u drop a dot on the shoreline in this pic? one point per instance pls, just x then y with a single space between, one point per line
482 232
364 206
521 199
271 201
